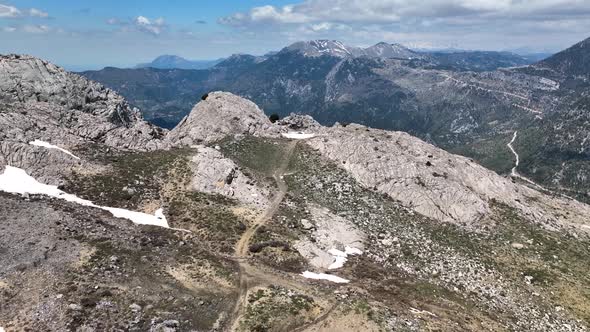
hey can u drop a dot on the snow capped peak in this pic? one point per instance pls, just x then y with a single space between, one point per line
315 48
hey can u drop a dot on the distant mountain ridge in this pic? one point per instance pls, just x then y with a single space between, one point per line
177 62
315 48
574 61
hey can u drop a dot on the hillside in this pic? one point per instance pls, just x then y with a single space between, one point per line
572 62
232 222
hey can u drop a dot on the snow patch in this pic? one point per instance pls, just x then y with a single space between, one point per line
17 181
51 146
340 257
297 135
323 276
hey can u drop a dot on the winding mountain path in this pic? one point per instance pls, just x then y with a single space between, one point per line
248 274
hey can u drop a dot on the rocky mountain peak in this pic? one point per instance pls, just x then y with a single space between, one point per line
385 50
238 60
315 48
426 179
168 61
41 101
26 79
218 115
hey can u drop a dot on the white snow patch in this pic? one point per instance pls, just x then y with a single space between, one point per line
17 181
340 257
352 251
51 146
323 276
297 135
1 329
420 312
338 262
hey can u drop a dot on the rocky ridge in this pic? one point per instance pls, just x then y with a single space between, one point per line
41 101
424 178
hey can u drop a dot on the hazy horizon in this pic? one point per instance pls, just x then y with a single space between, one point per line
123 34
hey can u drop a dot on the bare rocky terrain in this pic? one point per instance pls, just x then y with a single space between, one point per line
349 229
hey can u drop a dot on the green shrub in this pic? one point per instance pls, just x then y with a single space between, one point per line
274 117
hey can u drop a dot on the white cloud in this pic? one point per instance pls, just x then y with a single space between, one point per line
34 12
142 20
9 29
9 12
37 28
481 24
391 11
114 21
154 27
143 24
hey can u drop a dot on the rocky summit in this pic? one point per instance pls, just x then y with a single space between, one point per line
233 222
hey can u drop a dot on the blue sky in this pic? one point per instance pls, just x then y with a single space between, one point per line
92 34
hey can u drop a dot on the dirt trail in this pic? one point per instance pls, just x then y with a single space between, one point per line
244 242
248 276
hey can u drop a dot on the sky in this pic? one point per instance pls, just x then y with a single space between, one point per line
86 34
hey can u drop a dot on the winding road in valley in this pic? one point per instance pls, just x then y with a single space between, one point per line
514 173
517 162
538 113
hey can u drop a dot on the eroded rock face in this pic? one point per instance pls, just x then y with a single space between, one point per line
328 231
220 115
435 183
299 122
424 178
215 174
39 100
59 102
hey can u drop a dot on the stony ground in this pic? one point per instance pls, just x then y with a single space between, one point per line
73 268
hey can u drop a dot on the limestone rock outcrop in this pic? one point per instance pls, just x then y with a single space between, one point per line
215 174
436 183
41 101
219 115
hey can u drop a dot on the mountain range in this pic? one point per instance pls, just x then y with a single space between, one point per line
177 62
165 96
232 221
470 103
